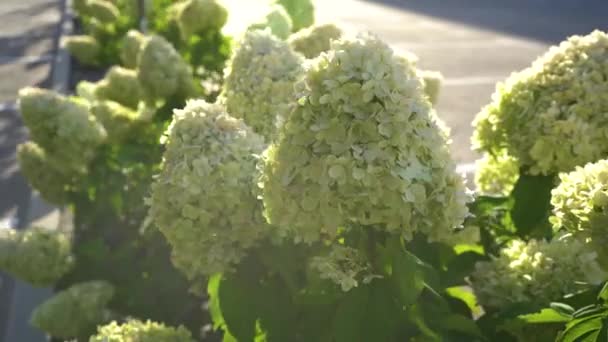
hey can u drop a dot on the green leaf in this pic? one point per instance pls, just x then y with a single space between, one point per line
563 309
460 267
581 328
532 204
350 314
462 324
467 296
603 295
238 308
383 315
214 302
408 276
545 316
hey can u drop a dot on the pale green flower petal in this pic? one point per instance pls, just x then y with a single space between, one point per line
138 331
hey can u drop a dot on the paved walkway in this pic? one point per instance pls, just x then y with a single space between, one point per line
28 29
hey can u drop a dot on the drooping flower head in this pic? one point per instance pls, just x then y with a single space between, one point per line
116 118
120 85
550 115
35 255
195 16
259 82
362 148
131 46
135 330
276 20
62 127
302 12
580 204
496 175
536 272
312 41
76 311
203 201
161 70
51 178
432 81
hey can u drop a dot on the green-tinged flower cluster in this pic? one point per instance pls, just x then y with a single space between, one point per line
85 49
432 81
195 16
162 72
496 174
52 179
131 46
203 201
580 204
61 126
277 20
102 10
550 116
138 331
363 147
344 266
35 255
312 41
120 85
536 272
76 311
259 82
302 12
116 118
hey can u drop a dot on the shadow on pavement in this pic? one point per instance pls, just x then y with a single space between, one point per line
544 20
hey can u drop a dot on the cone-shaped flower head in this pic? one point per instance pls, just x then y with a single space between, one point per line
37 256
76 311
131 46
138 331
277 20
120 85
536 272
102 10
496 175
85 49
312 41
550 116
203 201
116 118
302 12
259 82
580 204
195 16
432 81
161 70
62 127
363 147
51 178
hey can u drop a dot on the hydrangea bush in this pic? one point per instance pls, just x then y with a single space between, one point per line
139 331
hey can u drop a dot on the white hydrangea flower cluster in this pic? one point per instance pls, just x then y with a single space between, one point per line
35 255
84 48
102 10
302 12
74 312
314 40
195 16
536 272
62 127
362 148
120 85
203 201
117 119
131 46
162 72
259 82
496 174
50 178
432 81
580 204
276 20
344 266
550 115
138 331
